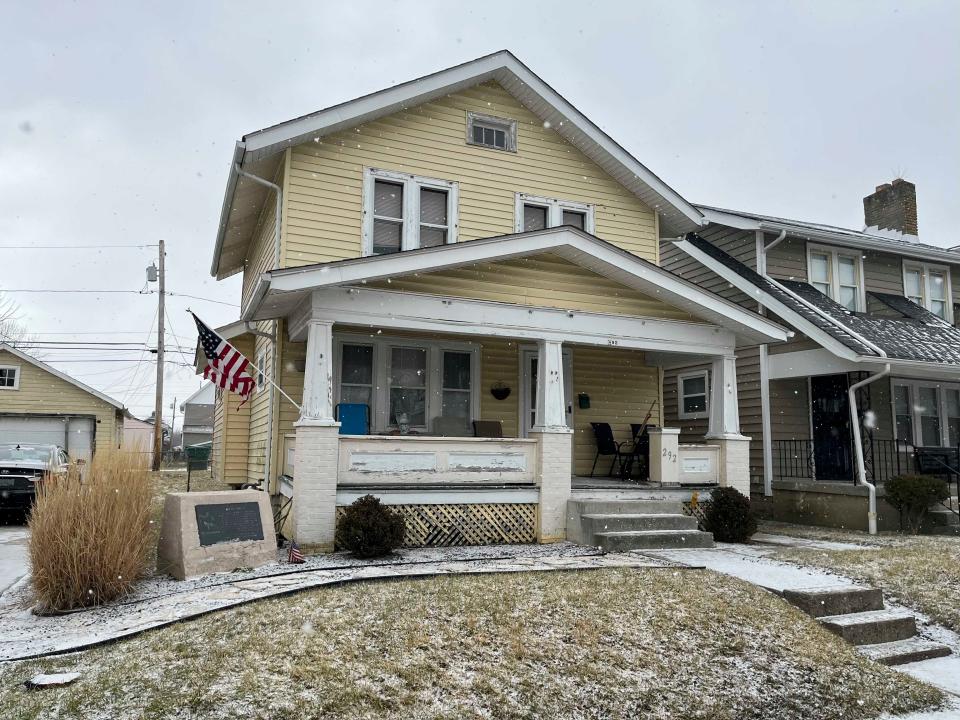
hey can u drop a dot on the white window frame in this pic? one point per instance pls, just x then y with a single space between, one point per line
925 270
380 398
705 374
260 379
507 125
555 210
16 377
835 253
913 387
411 206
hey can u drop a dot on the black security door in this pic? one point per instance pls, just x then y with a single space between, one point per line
830 410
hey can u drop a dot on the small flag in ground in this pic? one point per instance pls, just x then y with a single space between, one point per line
295 556
225 366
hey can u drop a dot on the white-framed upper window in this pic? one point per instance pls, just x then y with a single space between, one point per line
408 382
693 395
491 132
537 213
838 275
929 287
405 212
261 363
926 413
9 377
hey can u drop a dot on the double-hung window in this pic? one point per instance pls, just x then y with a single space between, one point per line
837 274
693 390
926 413
408 384
929 287
9 377
405 212
538 213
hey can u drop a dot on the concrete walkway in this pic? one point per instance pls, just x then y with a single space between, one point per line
751 564
14 554
25 635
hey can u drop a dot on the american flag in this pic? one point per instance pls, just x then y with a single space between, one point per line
295 556
226 367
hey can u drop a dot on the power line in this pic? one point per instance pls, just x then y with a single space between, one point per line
111 290
72 247
196 297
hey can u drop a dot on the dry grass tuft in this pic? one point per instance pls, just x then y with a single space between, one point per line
89 533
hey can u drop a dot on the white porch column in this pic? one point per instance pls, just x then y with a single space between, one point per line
555 443
724 426
316 453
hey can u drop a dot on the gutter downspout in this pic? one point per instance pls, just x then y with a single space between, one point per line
274 336
764 374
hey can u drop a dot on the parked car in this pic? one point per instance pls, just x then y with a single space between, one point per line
22 466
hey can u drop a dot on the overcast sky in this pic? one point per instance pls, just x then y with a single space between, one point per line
117 123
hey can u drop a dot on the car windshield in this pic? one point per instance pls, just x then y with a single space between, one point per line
19 453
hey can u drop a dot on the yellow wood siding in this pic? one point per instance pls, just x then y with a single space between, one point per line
232 425
216 441
545 280
324 198
42 393
260 409
263 245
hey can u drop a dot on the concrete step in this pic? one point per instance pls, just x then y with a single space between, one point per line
942 517
586 506
653 540
838 600
901 652
872 627
594 523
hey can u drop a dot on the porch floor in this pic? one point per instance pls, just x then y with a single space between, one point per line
614 488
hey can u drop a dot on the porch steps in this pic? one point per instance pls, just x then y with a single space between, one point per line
857 614
617 525
942 519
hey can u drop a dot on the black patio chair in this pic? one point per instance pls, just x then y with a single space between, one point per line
640 453
488 428
606 446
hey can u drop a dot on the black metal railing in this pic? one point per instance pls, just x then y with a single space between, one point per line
793 459
889 459
943 462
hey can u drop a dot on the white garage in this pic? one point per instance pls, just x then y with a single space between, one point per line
74 434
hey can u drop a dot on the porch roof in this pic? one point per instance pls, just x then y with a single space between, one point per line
278 293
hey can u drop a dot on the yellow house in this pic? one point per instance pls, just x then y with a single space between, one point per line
40 404
450 281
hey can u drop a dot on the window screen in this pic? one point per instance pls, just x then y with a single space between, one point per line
534 217
433 217
387 217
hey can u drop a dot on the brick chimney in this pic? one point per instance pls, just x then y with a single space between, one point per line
892 207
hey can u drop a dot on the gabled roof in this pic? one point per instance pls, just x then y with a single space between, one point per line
916 336
203 396
258 151
66 378
279 292
869 239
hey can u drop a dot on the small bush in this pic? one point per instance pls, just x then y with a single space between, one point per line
369 528
729 516
913 495
89 534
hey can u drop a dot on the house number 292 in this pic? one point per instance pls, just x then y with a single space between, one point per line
669 455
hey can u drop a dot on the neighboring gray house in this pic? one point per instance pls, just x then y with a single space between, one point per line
874 305
198 416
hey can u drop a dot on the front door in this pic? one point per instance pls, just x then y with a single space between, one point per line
529 390
830 417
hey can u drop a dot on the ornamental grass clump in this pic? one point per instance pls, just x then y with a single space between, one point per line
913 495
89 532
369 528
729 516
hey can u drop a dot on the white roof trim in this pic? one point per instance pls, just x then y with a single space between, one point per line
570 243
516 78
66 378
206 387
835 236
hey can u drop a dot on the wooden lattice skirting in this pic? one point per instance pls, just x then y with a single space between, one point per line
480 524
697 510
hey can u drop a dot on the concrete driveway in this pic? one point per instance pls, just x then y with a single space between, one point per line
14 563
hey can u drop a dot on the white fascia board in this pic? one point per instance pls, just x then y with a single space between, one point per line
806 363
66 378
238 151
432 313
741 222
770 302
578 247
355 112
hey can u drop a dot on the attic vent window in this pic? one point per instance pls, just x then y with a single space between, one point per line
492 132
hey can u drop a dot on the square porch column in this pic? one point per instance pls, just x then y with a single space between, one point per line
317 449
724 426
554 443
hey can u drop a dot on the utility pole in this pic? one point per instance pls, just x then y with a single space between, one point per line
158 408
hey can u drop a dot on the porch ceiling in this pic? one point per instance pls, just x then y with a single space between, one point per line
280 292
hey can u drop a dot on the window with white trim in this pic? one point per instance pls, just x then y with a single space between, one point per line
261 363
406 212
9 377
408 383
537 213
929 287
926 413
491 132
693 395
838 275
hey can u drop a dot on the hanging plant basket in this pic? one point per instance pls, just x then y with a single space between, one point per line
500 391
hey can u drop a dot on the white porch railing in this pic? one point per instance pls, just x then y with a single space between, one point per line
423 460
